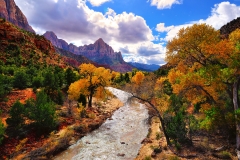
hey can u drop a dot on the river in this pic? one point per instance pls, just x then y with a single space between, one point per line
118 138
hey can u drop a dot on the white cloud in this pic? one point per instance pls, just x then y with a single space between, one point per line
98 2
161 27
221 14
73 20
162 4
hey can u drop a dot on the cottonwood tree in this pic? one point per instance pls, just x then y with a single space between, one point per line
206 68
92 79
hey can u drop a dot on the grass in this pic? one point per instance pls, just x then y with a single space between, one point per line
226 155
149 133
147 158
158 135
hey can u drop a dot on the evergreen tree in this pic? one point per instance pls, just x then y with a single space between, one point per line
20 80
16 115
43 113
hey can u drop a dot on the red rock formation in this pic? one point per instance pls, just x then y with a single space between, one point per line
99 52
11 12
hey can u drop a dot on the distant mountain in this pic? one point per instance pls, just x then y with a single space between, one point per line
11 12
99 52
145 67
59 43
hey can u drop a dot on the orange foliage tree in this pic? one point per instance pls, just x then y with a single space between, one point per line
92 79
206 68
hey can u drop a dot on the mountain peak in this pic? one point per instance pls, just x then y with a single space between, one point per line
100 41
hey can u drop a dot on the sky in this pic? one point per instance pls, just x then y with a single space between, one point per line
139 29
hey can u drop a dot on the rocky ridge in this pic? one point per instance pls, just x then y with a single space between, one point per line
230 27
11 12
99 52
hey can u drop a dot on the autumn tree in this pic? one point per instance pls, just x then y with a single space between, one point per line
92 78
206 69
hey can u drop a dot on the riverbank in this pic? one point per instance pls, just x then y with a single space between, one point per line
205 146
71 128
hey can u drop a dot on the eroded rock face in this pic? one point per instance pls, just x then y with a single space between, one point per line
11 12
99 52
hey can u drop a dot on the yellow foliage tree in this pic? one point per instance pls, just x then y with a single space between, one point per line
138 77
92 79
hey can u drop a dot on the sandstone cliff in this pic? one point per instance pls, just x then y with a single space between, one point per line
11 12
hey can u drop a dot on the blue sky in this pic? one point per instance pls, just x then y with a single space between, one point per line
139 29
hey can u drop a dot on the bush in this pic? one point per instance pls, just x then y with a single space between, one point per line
82 99
176 127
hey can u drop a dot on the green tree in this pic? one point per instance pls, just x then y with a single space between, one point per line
175 120
37 81
42 112
70 76
16 115
127 79
5 85
20 80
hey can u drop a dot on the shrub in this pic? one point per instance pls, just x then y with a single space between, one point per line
158 136
82 100
176 127
147 158
2 130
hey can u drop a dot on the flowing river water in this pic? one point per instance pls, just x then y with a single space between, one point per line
117 139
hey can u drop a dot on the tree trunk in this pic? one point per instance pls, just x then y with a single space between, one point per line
236 106
90 101
90 97
160 118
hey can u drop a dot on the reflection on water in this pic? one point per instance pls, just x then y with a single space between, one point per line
118 138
